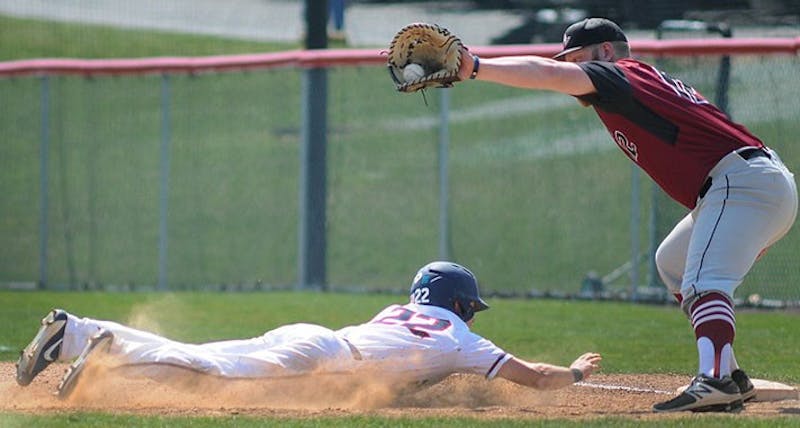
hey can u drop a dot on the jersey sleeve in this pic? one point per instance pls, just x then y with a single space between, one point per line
481 356
614 91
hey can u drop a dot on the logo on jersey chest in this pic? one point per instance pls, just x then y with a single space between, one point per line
627 146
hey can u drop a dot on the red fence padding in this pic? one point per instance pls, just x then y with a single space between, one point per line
90 67
351 57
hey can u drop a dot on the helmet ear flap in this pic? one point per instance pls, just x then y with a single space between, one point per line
465 309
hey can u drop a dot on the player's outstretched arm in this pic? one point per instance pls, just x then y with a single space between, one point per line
529 72
548 376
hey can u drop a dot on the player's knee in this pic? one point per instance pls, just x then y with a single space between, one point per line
670 273
661 258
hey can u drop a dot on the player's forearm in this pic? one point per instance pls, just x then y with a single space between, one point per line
552 377
537 375
533 72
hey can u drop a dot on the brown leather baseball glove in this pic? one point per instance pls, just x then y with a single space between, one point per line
429 46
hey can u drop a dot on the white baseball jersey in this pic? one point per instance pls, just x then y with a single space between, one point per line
424 343
414 342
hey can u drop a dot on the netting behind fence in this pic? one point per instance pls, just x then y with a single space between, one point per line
539 196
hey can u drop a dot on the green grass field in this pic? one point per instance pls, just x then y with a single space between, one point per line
539 194
523 217
632 338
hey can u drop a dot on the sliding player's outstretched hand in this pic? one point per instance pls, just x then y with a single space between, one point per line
587 363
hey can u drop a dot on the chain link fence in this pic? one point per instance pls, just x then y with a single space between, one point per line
112 182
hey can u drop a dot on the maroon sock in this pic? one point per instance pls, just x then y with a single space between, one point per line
713 318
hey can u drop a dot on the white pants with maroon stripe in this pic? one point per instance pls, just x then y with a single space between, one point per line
750 205
286 351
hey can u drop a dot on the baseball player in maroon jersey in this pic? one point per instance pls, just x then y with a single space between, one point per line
741 197
415 344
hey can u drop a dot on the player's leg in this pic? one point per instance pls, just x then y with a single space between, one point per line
287 351
80 330
671 263
299 349
113 344
671 256
133 353
671 259
290 350
746 210
63 336
712 319
98 343
275 337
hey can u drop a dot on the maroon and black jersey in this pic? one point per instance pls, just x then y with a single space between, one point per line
665 126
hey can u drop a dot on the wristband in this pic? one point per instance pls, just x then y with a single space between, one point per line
577 375
476 64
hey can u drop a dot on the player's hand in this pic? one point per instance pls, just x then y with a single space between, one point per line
467 62
587 363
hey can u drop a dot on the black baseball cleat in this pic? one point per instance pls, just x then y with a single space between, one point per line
746 387
706 394
101 341
43 349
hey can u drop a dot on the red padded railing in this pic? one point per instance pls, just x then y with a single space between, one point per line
334 57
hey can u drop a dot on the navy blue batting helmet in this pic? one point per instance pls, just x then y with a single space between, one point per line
445 283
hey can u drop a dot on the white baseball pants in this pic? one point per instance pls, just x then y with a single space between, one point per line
286 351
750 205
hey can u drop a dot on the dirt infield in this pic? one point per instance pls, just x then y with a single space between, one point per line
629 396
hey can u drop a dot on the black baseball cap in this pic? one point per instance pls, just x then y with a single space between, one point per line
590 31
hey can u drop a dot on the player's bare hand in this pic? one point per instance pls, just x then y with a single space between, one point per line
467 62
587 363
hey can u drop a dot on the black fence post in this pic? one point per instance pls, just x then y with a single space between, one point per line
313 163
